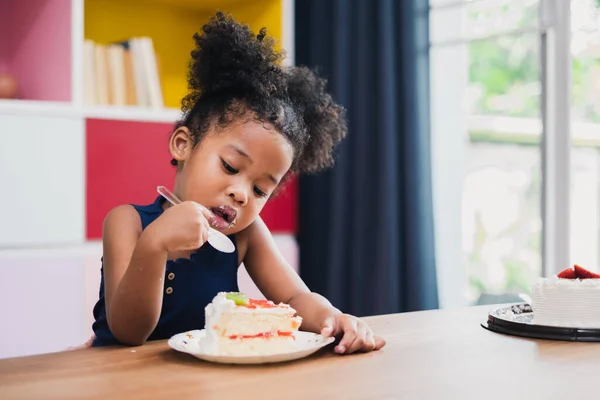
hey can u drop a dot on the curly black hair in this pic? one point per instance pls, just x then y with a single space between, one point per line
235 74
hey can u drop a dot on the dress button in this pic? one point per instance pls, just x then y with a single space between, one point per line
171 276
169 290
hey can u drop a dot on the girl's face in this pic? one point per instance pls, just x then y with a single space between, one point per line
232 171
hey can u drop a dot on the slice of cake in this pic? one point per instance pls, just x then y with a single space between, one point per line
240 326
570 299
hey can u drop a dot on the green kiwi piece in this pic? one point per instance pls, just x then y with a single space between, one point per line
240 299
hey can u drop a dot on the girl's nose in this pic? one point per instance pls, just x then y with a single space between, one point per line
239 195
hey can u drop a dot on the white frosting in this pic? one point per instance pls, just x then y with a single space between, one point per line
212 315
572 303
224 318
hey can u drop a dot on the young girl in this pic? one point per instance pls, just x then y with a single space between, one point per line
248 124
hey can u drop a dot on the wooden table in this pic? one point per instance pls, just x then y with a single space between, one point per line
429 355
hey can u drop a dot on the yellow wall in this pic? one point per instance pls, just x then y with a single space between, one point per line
171 28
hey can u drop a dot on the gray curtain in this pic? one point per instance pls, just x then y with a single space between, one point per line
366 226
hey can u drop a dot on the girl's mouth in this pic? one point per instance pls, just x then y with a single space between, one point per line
224 217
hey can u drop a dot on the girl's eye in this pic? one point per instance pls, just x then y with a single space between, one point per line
228 167
259 192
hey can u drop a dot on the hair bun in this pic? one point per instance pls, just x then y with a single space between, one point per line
228 57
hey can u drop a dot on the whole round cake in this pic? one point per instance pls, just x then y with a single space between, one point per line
570 299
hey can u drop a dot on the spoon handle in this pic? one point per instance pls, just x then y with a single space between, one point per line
167 194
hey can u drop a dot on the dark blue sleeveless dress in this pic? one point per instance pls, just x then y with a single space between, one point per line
190 285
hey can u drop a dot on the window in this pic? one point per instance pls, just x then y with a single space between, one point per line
500 146
585 114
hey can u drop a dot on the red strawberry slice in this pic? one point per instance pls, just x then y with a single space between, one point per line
583 273
568 273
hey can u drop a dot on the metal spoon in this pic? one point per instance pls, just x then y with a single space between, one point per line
215 238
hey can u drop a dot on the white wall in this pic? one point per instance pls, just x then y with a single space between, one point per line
42 178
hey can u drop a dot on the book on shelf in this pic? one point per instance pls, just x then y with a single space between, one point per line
123 74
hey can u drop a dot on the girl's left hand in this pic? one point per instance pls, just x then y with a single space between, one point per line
356 334
85 345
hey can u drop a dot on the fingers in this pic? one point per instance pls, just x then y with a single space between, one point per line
85 345
364 340
360 339
379 342
205 211
204 223
186 226
210 217
357 336
349 326
90 341
327 327
203 233
369 344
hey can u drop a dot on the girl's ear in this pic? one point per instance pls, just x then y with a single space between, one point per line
181 144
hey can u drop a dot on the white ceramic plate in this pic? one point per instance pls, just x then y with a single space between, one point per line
308 343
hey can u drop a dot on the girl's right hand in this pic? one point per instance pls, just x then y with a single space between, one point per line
183 226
